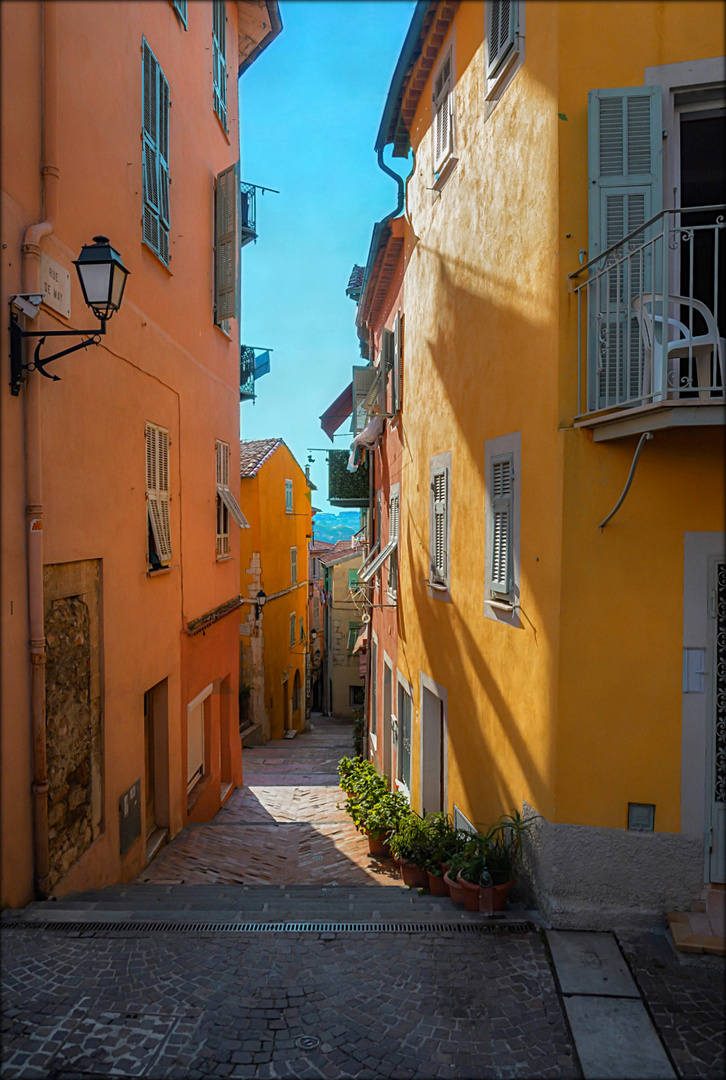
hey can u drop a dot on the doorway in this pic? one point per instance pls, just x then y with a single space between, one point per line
433 796
387 719
717 714
149 771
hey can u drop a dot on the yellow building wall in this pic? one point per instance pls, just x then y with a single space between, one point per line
342 666
563 711
272 534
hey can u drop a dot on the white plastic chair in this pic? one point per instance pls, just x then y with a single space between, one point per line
704 348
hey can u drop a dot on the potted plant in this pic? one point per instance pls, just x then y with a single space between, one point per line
408 846
456 891
442 842
473 863
382 819
503 852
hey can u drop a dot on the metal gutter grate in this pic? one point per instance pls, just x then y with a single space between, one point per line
180 927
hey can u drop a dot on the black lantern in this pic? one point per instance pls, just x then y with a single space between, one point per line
102 276
260 602
103 279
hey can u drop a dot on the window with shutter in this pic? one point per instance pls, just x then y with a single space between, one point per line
396 389
443 113
502 483
625 191
180 7
393 525
363 379
388 350
219 59
405 712
155 155
353 631
227 505
292 629
502 33
157 496
226 245
439 547
293 566
288 497
195 736
352 579
302 630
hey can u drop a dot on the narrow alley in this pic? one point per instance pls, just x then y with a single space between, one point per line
259 945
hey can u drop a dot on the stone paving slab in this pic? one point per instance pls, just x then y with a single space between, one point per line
615 1039
590 963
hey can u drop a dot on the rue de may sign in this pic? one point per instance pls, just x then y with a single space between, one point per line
55 284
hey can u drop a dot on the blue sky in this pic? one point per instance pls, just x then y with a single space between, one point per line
310 110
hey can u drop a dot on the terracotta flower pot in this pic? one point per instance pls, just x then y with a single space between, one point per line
471 893
378 844
413 875
437 885
455 890
494 897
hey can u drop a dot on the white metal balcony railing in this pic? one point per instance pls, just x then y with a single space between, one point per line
648 315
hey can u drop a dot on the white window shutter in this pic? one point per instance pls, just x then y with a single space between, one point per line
439 539
157 489
293 566
625 190
502 481
288 497
363 380
195 744
503 26
226 243
443 100
226 499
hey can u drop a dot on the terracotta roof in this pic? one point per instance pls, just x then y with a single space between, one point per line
343 549
255 453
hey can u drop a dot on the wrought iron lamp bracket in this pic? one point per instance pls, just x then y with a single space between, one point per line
17 334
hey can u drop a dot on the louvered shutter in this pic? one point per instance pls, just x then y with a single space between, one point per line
393 535
442 114
293 566
502 480
180 7
195 744
155 150
225 499
219 59
387 359
503 26
363 379
439 544
397 351
292 629
626 189
157 489
226 244
288 497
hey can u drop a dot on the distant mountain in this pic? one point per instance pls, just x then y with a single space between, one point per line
334 527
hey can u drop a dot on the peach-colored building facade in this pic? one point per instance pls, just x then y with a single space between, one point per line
119 545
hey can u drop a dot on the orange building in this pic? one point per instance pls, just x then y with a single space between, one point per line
273 628
119 655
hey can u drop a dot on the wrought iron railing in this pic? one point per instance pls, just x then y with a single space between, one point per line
247 374
248 213
649 312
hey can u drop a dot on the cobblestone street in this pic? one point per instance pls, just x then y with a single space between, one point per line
431 992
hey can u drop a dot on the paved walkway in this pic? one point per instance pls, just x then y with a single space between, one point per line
284 826
240 952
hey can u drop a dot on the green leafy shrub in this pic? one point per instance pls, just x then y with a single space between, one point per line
385 815
409 841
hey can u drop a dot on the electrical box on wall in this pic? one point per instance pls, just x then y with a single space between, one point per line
129 816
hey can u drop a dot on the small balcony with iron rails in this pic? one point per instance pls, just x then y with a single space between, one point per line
651 316
253 364
248 213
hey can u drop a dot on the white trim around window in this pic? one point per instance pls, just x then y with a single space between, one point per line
503 60
443 109
439 579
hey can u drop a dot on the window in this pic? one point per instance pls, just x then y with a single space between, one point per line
388 352
302 630
226 502
501 560
439 520
157 496
180 8
288 496
353 631
363 381
393 514
219 59
155 161
504 31
293 566
405 709
226 245
356 696
197 717
292 629
352 579
443 113
374 690
396 383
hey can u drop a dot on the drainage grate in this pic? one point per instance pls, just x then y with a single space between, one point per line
180 927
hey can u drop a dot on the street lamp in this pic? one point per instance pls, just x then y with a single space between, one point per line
260 603
102 275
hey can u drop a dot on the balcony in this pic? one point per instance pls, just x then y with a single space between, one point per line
650 313
248 214
253 364
346 489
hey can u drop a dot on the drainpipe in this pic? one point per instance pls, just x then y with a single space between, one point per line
33 451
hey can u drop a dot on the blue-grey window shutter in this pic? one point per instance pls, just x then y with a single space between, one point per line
180 7
226 244
502 506
155 160
438 517
625 140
